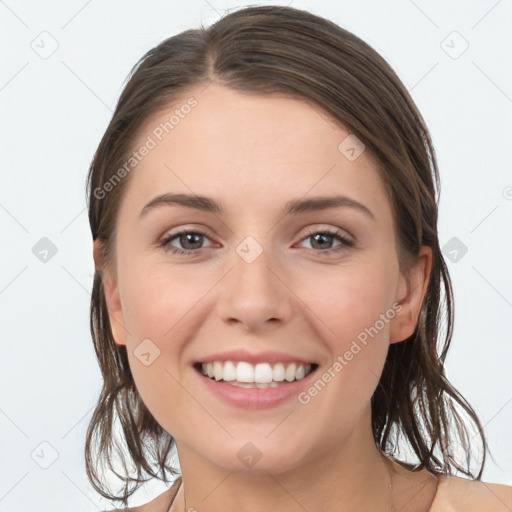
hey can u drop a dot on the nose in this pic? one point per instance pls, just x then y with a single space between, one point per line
254 295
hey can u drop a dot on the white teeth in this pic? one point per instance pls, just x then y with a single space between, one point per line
254 385
263 374
245 372
300 373
278 372
229 372
289 374
217 370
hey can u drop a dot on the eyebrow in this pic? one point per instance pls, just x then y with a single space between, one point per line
295 206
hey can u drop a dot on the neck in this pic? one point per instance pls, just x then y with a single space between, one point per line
349 476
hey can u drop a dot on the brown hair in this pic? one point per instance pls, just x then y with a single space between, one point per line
283 50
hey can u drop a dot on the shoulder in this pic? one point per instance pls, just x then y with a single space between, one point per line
455 494
159 504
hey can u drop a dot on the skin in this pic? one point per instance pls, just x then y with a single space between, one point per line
252 154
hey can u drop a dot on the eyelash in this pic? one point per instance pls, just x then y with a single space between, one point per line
346 242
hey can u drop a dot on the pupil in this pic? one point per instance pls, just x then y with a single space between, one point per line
185 238
315 237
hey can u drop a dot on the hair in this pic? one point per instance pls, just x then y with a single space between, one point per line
283 50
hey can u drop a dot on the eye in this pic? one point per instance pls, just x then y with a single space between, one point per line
190 241
322 240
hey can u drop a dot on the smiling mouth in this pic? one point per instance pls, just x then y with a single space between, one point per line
261 375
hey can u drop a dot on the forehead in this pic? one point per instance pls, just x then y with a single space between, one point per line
249 149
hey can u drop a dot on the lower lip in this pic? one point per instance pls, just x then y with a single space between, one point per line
256 398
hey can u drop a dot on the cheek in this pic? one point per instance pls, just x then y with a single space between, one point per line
158 301
354 304
155 303
163 306
160 319
350 299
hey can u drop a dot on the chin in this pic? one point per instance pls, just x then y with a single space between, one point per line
255 454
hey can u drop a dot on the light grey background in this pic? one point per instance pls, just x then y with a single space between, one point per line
55 109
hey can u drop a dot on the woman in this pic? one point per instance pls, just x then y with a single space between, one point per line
267 295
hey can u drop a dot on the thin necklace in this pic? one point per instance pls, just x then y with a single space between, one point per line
386 465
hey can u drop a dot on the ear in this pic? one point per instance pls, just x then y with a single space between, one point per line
411 292
111 290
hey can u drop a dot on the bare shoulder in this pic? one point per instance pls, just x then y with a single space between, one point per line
460 494
159 504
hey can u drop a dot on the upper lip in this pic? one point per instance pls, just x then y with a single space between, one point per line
254 358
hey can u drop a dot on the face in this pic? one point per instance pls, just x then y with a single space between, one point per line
319 285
